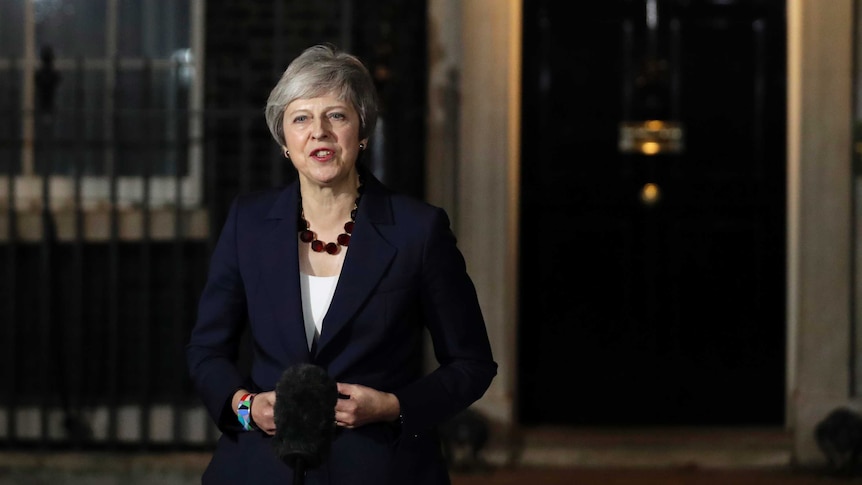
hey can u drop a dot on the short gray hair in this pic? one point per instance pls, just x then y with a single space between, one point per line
319 70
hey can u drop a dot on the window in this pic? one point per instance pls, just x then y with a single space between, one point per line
104 92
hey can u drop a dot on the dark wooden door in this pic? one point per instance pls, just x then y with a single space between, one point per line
652 286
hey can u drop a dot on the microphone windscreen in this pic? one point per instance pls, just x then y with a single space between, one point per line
304 414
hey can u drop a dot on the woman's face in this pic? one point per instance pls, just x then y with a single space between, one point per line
322 136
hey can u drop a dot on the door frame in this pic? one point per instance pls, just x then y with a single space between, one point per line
472 172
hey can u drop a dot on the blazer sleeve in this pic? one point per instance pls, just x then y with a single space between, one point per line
214 342
453 317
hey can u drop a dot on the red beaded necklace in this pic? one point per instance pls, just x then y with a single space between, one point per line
306 235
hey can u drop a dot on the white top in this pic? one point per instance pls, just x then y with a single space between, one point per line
317 294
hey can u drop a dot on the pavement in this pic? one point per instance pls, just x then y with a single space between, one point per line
550 456
664 456
656 476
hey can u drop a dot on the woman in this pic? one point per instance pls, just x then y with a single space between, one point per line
337 271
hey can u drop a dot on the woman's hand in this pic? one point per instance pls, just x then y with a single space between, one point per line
364 405
261 409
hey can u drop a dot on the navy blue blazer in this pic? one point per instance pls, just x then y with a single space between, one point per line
402 274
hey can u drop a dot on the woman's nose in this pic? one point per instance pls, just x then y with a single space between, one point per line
320 129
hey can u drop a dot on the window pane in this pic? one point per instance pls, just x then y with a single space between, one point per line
153 28
152 121
75 134
10 119
72 27
11 28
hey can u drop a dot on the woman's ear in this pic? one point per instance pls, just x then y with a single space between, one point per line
363 144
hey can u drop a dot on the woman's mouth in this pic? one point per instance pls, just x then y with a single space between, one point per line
322 154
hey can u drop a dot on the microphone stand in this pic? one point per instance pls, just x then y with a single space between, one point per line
299 461
299 471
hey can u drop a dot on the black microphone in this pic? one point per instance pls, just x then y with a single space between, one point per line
304 415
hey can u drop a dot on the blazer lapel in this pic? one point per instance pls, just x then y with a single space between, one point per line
280 274
367 260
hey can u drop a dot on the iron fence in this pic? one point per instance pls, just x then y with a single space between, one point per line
105 236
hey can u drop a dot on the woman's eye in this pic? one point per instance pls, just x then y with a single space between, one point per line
300 118
337 116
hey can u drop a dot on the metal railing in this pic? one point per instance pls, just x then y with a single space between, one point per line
102 263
